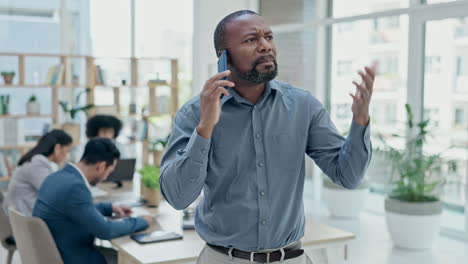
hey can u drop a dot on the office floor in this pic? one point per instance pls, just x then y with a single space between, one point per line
373 244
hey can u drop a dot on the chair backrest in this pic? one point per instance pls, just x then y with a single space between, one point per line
5 228
33 239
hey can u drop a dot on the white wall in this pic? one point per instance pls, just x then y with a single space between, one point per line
207 14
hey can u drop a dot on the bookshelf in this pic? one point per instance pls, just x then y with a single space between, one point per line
88 78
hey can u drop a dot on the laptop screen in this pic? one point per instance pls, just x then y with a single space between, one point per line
123 171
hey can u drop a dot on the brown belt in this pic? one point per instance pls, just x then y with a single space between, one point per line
263 257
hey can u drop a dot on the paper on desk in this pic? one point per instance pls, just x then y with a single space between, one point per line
139 211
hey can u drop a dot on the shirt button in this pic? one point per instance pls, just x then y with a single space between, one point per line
203 151
263 222
260 164
262 193
257 136
180 151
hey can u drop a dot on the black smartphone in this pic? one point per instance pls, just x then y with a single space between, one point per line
156 236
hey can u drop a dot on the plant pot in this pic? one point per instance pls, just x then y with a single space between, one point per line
152 197
342 202
74 131
8 79
413 225
33 108
157 157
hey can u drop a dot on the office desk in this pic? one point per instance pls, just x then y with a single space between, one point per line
317 236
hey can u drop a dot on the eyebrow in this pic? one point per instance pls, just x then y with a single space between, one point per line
256 33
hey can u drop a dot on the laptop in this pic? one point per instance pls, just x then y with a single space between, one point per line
123 171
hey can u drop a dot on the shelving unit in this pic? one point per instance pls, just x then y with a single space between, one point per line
88 80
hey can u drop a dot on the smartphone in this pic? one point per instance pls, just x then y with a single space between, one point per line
223 65
156 236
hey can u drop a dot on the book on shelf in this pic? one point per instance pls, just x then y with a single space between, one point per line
99 75
55 75
11 132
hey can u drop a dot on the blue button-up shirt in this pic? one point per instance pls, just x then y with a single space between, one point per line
252 168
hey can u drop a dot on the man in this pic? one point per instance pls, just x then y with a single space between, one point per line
246 150
64 202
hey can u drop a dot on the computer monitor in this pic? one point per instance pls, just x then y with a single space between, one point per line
123 171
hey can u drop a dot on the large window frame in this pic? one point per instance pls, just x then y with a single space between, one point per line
419 12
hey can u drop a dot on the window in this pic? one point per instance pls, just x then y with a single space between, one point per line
385 23
432 65
344 67
446 108
351 8
440 1
351 51
110 37
462 66
461 29
387 64
297 65
459 119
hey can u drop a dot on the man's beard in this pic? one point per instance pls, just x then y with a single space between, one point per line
255 76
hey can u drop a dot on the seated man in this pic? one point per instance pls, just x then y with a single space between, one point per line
64 202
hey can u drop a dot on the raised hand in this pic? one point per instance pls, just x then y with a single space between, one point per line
362 96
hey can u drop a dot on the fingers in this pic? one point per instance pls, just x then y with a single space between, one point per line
361 91
367 79
216 77
215 85
119 211
370 71
220 90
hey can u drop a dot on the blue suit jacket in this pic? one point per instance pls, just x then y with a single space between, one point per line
64 202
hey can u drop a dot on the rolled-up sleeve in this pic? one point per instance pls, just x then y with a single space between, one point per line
184 165
343 160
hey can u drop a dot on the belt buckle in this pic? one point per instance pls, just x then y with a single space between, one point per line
252 254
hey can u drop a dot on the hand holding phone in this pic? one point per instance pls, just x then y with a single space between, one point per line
210 106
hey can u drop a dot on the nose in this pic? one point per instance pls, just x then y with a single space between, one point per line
264 46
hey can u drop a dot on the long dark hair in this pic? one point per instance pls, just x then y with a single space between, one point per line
46 145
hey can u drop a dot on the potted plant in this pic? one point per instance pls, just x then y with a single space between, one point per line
158 147
413 207
342 202
33 107
70 127
8 76
151 192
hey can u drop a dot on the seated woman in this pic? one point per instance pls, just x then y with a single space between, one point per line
41 161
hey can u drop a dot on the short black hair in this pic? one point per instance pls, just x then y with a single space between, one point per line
98 122
220 31
99 150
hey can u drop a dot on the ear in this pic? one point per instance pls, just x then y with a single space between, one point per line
101 167
218 53
57 149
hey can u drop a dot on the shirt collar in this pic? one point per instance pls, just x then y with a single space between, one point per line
81 173
271 85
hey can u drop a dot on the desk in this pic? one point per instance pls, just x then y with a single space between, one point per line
317 236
